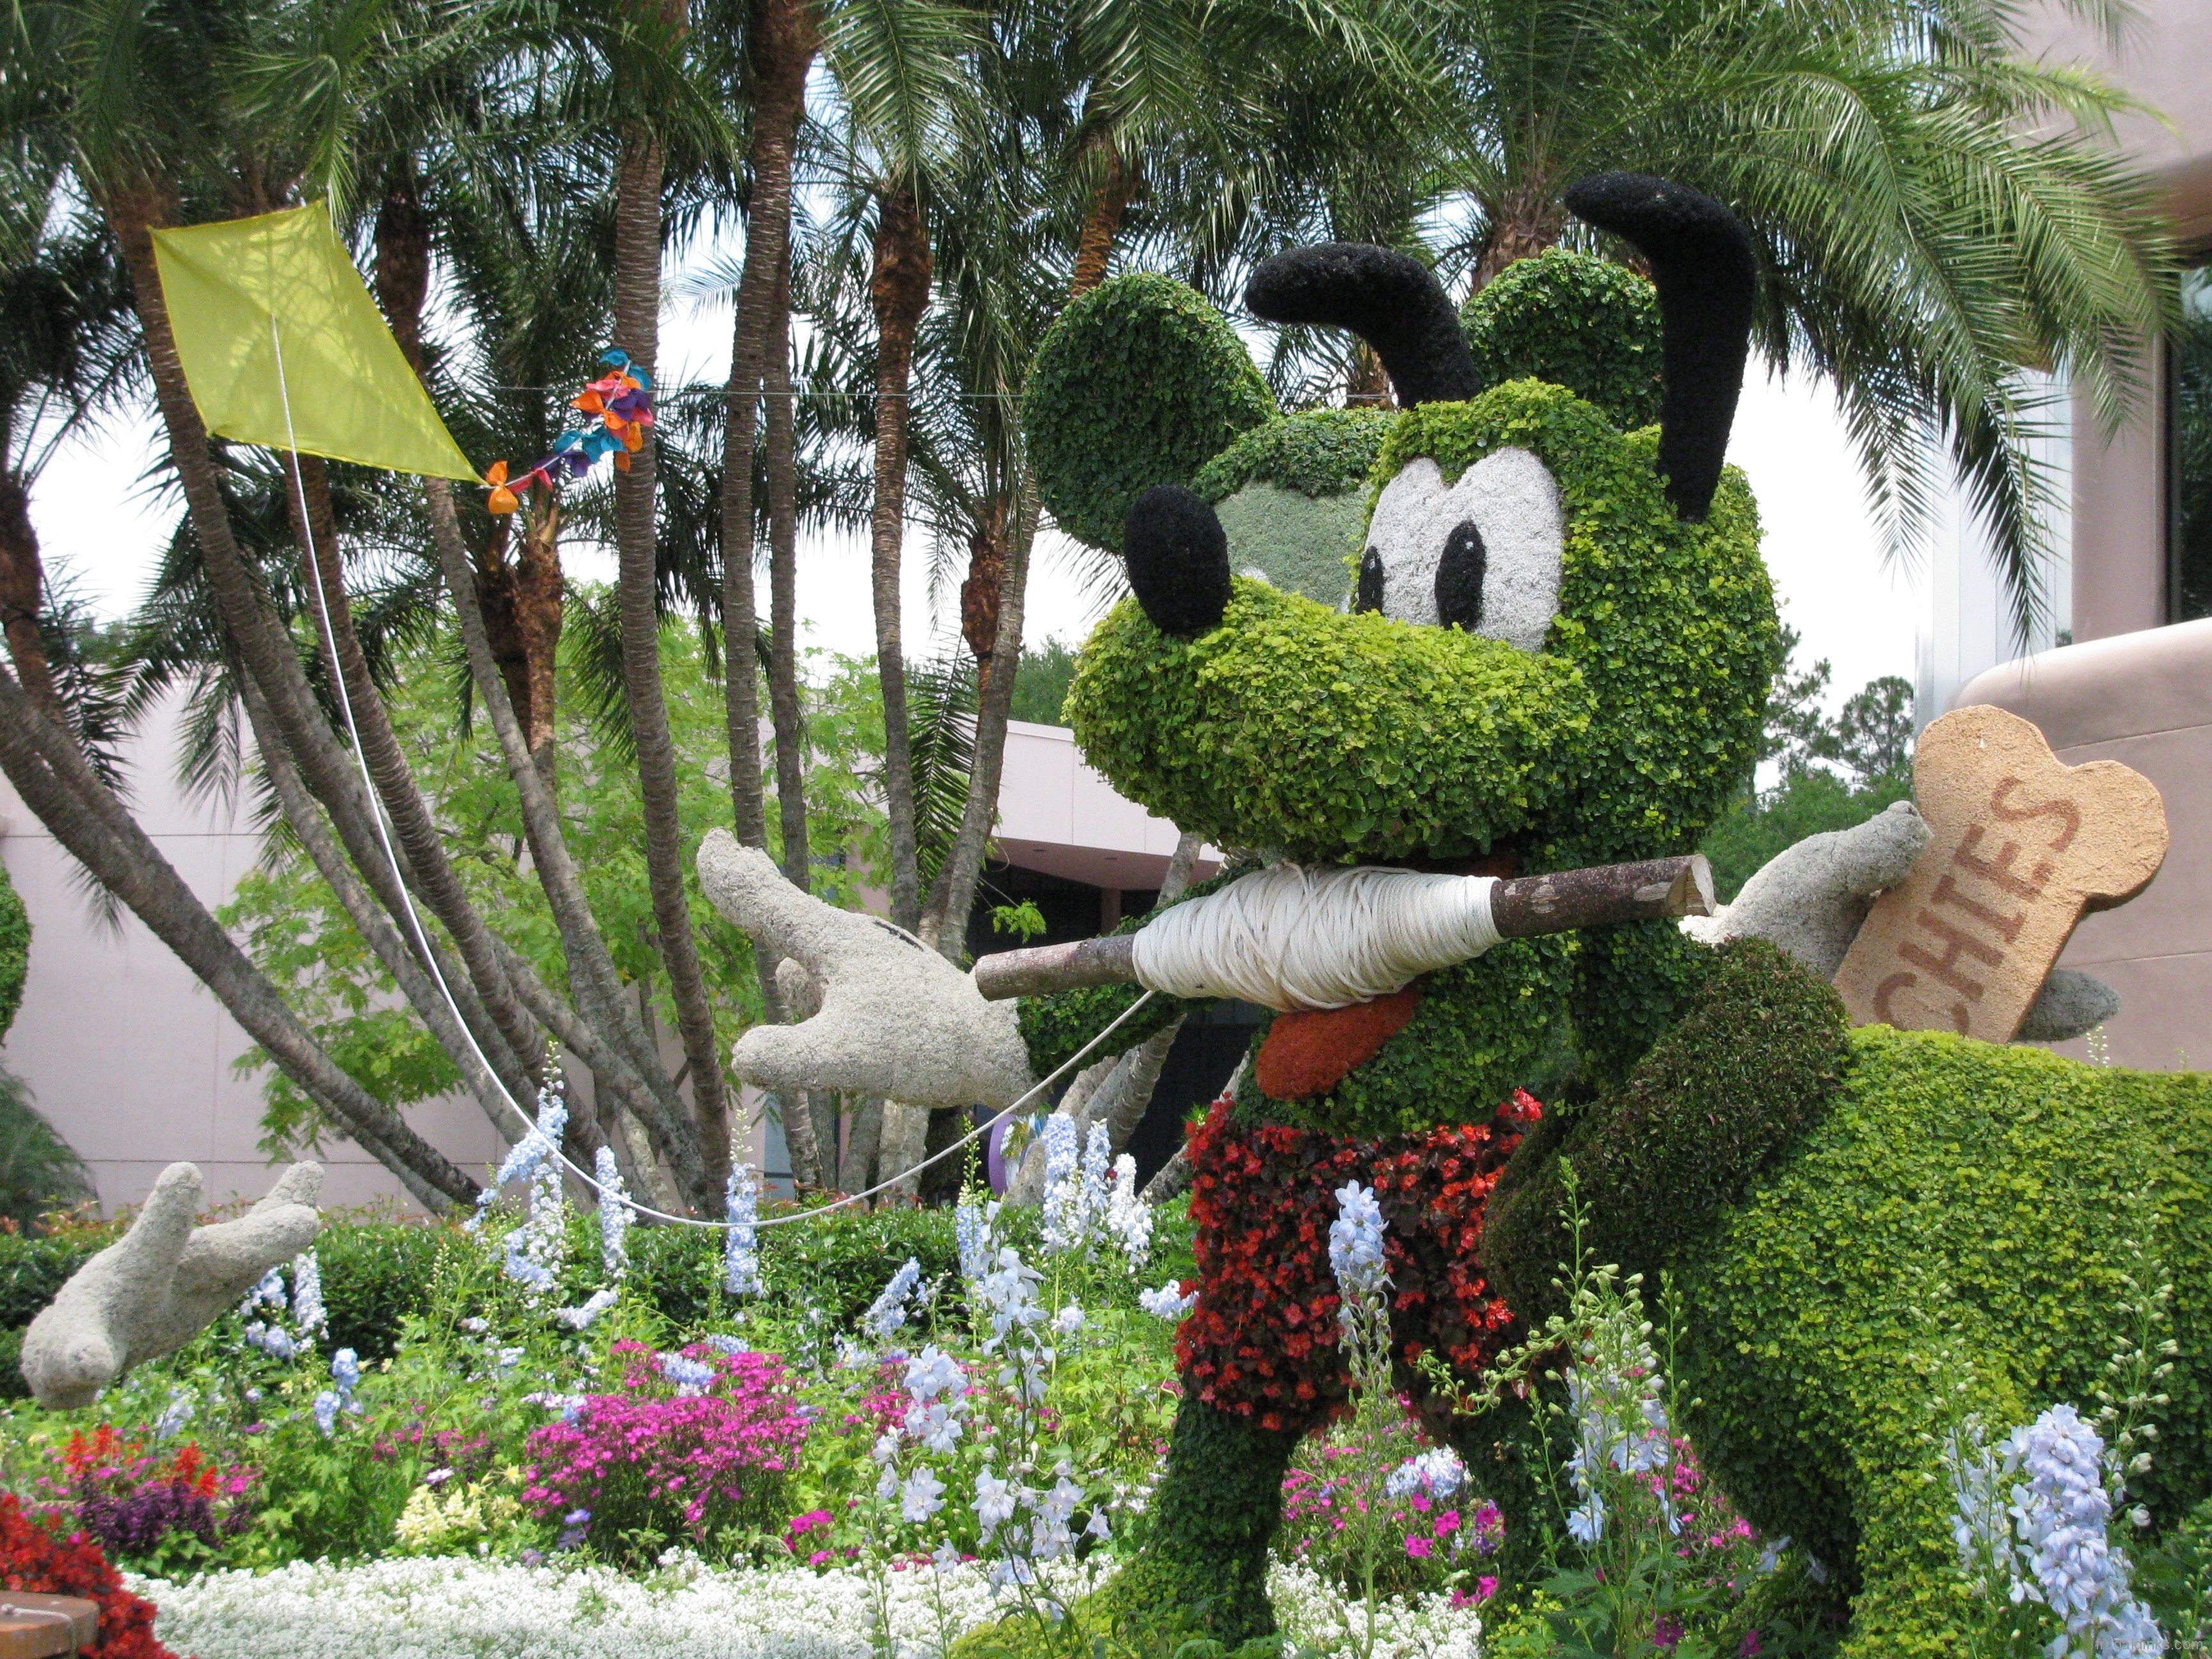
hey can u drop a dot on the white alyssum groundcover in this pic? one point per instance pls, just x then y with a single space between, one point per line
463 1607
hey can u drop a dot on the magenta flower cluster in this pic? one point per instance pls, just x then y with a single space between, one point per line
648 1462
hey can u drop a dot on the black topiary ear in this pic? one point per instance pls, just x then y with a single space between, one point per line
1701 263
1178 558
1389 300
1140 383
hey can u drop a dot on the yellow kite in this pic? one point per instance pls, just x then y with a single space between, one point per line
241 290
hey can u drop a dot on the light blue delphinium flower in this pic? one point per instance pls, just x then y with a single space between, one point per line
887 1311
741 1274
691 1376
307 1311
1437 1473
1169 1302
326 1411
972 1227
540 1143
615 1215
1355 1243
1063 1185
2062 1513
584 1317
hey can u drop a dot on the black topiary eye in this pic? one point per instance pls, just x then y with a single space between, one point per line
1459 578
1368 596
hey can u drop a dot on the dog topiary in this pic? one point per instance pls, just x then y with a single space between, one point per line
1556 654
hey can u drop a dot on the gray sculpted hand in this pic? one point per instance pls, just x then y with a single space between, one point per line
1810 900
163 1283
896 1019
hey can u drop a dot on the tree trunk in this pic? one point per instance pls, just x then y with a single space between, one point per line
1109 200
856 1168
1527 222
521 599
782 42
42 761
23 598
636 330
1367 383
899 288
487 1003
611 1041
945 923
784 706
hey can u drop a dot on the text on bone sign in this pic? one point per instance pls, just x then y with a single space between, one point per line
1976 930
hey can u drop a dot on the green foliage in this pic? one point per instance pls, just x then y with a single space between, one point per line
1576 321
1041 682
1140 383
1755 828
292 926
2174 1578
1315 451
1320 735
15 951
33 1270
376 1275
1630 984
1715 1103
1483 1029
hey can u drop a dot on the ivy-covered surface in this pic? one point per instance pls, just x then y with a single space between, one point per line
15 951
1580 322
1140 383
1315 451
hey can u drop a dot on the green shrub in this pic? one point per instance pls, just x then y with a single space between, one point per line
1576 321
374 1274
33 1270
1810 802
1140 383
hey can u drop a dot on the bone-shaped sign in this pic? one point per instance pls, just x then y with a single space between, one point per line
2021 845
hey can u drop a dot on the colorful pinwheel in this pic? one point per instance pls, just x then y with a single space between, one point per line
620 405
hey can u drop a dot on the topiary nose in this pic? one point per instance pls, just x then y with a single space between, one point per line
1178 560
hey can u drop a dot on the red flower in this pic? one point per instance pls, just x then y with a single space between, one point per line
32 1558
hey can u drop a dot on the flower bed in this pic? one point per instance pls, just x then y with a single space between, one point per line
447 1608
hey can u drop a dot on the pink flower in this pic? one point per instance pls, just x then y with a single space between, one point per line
1446 1523
1418 1547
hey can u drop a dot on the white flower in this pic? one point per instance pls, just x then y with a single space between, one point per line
972 1228
933 1372
1008 1292
922 1496
1129 1217
1437 1473
1058 1504
582 1318
178 1412
1355 1243
308 1312
938 1427
1064 1220
1068 1320
1586 1522
1167 1301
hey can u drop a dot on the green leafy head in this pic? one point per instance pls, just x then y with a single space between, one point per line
1558 644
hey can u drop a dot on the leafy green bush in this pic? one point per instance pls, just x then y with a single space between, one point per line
376 1273
33 1270
39 1171
1576 321
1140 383
1040 683
15 951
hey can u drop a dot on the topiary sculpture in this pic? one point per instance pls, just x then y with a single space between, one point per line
1556 655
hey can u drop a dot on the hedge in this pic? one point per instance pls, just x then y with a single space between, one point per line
1576 321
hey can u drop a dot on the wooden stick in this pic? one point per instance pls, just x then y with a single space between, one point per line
1523 907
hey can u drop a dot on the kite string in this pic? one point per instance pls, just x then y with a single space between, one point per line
438 978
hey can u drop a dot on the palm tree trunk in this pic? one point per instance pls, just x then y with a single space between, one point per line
44 764
945 922
899 288
786 709
636 330
23 597
1527 222
1109 200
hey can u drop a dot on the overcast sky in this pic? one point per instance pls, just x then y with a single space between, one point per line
96 520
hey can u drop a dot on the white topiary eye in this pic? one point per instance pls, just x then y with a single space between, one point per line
1482 553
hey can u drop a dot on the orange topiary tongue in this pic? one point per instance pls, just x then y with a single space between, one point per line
1309 1054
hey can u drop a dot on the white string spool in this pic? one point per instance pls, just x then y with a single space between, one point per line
1291 939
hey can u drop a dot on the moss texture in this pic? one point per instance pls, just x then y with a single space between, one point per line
1579 322
1140 383
1306 544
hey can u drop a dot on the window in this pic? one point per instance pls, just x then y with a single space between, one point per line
2189 453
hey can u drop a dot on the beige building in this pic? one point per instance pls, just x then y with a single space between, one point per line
2135 683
